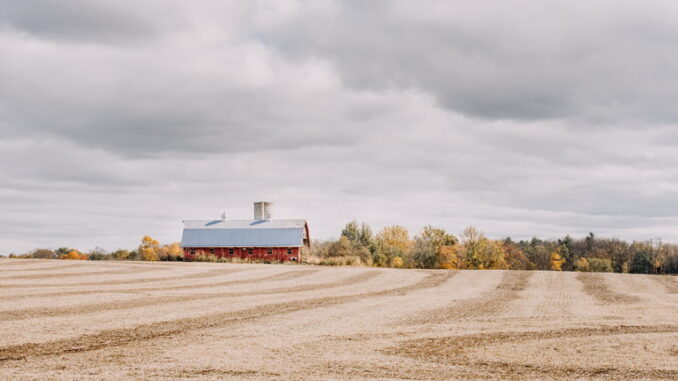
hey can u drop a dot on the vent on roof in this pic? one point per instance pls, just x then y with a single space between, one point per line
262 210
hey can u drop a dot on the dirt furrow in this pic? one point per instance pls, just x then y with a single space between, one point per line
51 268
44 312
455 350
206 274
146 332
488 304
595 286
670 282
209 274
21 262
125 270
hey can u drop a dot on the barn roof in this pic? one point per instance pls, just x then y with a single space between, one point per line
243 233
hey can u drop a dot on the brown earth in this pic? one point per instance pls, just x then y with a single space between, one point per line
129 320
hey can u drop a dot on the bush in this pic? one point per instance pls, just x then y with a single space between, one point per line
350 260
43 254
582 264
600 265
397 262
74 254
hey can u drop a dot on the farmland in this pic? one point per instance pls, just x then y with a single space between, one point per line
170 320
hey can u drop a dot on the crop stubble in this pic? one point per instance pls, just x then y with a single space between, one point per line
459 338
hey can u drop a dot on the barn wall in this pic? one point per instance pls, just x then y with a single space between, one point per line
272 254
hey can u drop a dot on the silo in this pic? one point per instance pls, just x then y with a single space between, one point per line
262 210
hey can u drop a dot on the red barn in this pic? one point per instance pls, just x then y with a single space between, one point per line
259 239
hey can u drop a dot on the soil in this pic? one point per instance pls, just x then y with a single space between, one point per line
89 320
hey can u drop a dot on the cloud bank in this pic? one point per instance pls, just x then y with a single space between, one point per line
121 119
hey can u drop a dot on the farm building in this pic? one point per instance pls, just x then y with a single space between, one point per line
259 239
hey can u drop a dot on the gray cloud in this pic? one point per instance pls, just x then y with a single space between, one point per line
608 61
121 119
79 20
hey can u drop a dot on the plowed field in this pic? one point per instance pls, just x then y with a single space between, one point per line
134 320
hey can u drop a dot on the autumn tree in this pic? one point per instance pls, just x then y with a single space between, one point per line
395 236
73 254
341 248
435 248
556 261
600 265
582 264
148 250
538 252
515 258
448 257
120 254
97 254
392 241
423 254
43 254
480 252
473 242
397 262
62 251
620 255
171 252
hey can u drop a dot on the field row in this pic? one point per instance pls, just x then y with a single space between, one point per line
203 320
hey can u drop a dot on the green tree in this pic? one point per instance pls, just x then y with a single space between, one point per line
640 264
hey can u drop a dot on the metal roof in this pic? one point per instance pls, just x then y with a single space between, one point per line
243 233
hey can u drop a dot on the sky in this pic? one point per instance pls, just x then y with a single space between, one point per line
526 118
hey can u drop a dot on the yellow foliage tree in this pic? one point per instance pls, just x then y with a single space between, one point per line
480 252
170 252
397 262
556 261
175 250
582 264
395 236
73 255
493 256
148 250
448 257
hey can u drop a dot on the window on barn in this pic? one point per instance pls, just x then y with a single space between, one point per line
230 251
251 251
211 251
289 251
192 252
270 251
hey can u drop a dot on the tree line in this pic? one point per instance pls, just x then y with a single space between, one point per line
434 248
148 250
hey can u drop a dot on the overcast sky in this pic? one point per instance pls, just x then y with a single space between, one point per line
122 118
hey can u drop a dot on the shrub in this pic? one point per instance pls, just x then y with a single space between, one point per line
396 262
600 265
43 253
350 260
582 264
74 255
